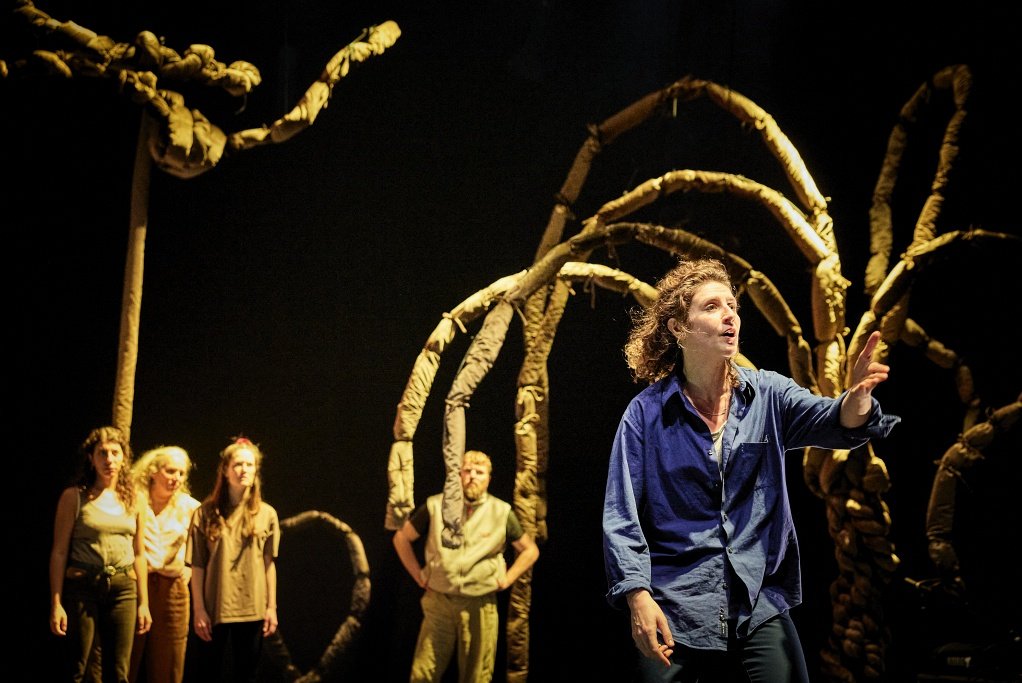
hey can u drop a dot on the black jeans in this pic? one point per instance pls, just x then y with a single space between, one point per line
232 655
771 654
101 608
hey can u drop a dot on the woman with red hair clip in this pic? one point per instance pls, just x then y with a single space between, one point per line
233 541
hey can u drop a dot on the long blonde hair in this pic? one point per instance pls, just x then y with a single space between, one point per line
150 463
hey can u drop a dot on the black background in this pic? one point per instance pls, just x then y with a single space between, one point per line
288 291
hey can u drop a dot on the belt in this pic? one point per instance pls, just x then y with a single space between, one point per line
105 570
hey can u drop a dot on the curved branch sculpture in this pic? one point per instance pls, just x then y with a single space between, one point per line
335 651
852 483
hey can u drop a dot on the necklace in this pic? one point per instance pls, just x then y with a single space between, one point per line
710 414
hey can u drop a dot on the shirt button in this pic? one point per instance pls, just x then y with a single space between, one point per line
725 586
730 549
725 516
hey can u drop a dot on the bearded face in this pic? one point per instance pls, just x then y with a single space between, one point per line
475 490
475 479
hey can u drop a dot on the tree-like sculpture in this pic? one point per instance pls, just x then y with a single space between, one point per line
183 142
852 483
180 140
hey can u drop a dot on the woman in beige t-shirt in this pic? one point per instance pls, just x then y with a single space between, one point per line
232 544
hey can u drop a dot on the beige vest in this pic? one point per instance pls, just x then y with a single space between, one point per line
476 566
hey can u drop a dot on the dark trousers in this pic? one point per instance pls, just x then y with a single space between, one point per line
101 609
771 654
232 655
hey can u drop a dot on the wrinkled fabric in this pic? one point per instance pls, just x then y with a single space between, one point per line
711 544
464 624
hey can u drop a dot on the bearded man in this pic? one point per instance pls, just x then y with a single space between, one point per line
459 607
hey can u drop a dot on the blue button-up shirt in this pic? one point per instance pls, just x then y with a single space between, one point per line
711 542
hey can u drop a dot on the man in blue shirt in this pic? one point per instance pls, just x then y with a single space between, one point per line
699 541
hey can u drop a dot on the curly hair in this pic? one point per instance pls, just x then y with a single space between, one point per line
150 463
651 351
216 506
87 473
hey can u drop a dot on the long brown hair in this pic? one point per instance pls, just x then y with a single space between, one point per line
87 473
651 351
217 505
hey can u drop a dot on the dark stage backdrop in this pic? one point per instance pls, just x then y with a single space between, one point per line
288 291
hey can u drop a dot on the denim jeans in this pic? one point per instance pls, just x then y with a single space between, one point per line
771 654
101 608
161 652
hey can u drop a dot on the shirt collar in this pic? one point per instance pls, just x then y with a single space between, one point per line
670 386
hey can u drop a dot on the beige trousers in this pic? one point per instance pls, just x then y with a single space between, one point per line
459 623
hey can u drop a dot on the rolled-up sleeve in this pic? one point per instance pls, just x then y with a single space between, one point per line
878 426
813 420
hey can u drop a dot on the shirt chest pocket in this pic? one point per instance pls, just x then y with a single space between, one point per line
260 537
754 465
